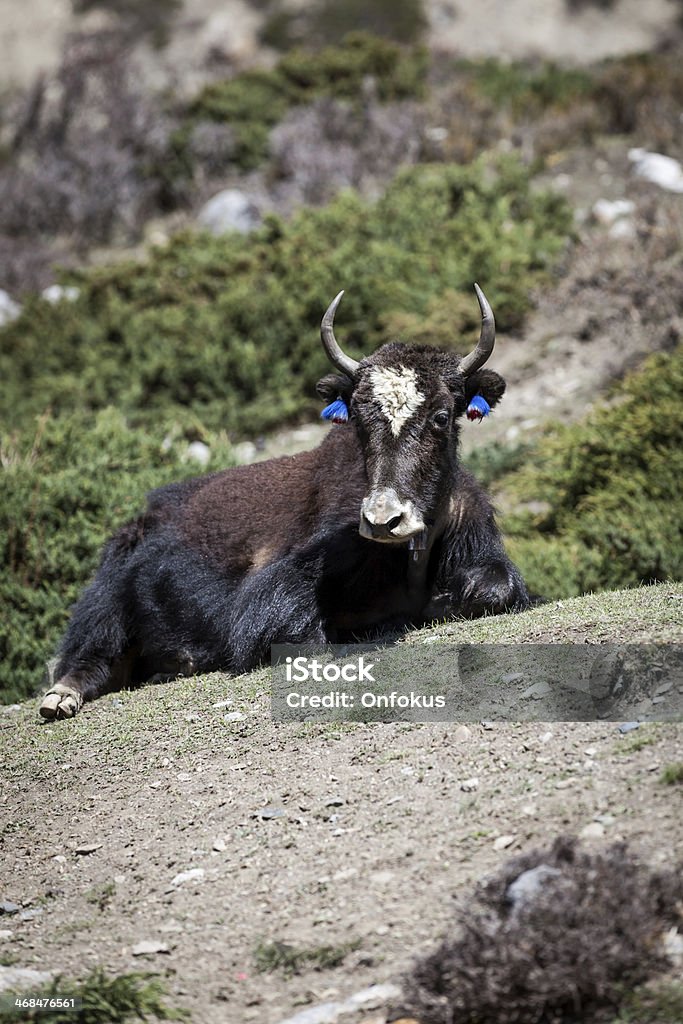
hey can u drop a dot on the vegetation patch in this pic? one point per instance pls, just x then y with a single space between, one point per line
612 488
229 327
253 102
281 956
673 774
102 999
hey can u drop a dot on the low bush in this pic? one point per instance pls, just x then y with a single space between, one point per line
66 485
612 488
254 101
228 327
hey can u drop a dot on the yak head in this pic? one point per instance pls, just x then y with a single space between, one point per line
405 402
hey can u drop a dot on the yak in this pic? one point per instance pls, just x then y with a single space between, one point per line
378 527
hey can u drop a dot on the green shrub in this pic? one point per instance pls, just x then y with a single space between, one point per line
612 488
228 327
254 101
528 88
326 21
103 999
66 486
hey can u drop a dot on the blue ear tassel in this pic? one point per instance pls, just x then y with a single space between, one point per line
478 408
337 412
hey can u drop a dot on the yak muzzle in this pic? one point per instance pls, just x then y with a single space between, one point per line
384 517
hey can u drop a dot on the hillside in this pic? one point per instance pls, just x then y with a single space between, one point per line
311 835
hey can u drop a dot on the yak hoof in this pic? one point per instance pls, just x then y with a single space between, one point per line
60 702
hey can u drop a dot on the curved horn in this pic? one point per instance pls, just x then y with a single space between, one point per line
334 353
487 337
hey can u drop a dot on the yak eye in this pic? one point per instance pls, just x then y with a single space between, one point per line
441 419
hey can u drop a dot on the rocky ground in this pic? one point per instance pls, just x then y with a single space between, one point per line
179 829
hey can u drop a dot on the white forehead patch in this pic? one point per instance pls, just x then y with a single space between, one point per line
397 394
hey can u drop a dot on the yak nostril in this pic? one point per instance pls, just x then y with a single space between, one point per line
393 523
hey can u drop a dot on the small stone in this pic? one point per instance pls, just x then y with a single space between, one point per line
268 813
219 845
469 785
661 170
529 883
60 293
148 947
222 704
198 452
9 908
5 934
545 737
512 677
334 801
229 210
463 734
628 727
538 691
487 725
88 848
192 875
659 692
9 309
563 784
504 842
592 831
529 810
12 978
184 776
30 915
234 716
608 211
590 751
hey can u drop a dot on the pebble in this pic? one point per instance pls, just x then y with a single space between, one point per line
148 946
528 884
563 784
608 211
334 801
469 785
234 716
268 813
88 848
628 727
592 831
219 845
198 452
546 737
504 842
30 915
184 776
659 169
12 978
512 677
538 691
9 908
463 734
192 875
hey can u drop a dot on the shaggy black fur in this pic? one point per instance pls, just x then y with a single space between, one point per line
219 568
574 948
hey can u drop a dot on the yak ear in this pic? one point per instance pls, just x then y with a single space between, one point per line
333 386
486 383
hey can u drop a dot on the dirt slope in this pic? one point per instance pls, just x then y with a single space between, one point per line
367 833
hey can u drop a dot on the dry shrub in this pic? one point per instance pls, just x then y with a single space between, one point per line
589 933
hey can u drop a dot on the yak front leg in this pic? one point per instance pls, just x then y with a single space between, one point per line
277 605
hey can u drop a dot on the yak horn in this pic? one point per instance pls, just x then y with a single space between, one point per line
334 353
487 337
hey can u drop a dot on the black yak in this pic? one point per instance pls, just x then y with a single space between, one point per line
378 526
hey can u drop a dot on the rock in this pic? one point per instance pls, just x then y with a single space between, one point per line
334 801
330 1013
628 727
463 734
268 813
198 452
5 934
661 170
469 785
9 908
530 883
30 915
234 716
219 845
192 875
594 830
148 947
512 677
672 946
545 737
10 709
607 211
623 229
504 842
563 784
538 691
88 848
60 293
9 309
19 978
229 210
